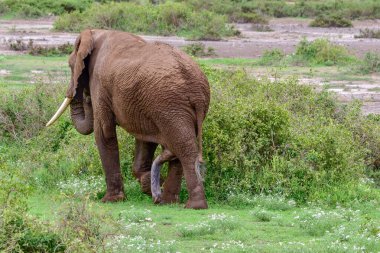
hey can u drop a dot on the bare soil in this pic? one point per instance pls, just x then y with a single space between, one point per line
285 34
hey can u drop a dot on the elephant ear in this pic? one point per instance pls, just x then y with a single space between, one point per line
84 45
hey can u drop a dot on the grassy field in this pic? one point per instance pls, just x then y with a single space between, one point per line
270 224
329 201
289 167
23 70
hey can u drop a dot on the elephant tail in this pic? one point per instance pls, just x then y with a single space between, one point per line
199 137
199 163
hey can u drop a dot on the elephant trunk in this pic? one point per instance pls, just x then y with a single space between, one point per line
82 115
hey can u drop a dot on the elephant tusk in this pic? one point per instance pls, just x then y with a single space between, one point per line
61 109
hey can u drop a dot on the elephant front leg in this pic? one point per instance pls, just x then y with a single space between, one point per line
142 164
106 140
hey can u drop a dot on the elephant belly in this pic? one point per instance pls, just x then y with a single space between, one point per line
138 124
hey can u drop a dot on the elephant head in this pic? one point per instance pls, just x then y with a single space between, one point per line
78 93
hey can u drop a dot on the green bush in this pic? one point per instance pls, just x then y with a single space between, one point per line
370 64
3 8
272 57
19 121
64 49
331 21
235 10
259 137
69 22
18 231
350 9
322 51
83 230
198 50
280 137
368 33
37 8
164 19
251 17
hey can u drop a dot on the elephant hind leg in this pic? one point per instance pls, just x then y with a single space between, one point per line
185 147
172 185
144 154
197 198
165 156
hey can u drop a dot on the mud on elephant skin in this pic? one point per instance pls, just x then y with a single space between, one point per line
155 92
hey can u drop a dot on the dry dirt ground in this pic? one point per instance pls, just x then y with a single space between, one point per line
285 34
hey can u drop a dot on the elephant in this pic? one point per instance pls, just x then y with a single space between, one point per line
155 92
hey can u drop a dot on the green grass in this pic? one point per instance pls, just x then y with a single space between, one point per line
324 73
24 70
230 61
68 184
36 9
236 11
165 19
222 227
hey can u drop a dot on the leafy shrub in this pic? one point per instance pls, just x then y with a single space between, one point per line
18 231
251 17
370 63
19 45
322 51
279 137
81 229
208 26
70 22
259 137
64 49
3 8
368 33
35 8
365 130
19 121
236 11
164 19
271 57
198 50
353 9
331 21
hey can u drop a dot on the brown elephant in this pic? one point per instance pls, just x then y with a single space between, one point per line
155 92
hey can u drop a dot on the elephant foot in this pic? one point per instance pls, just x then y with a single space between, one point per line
157 200
197 199
113 197
169 198
145 183
196 204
